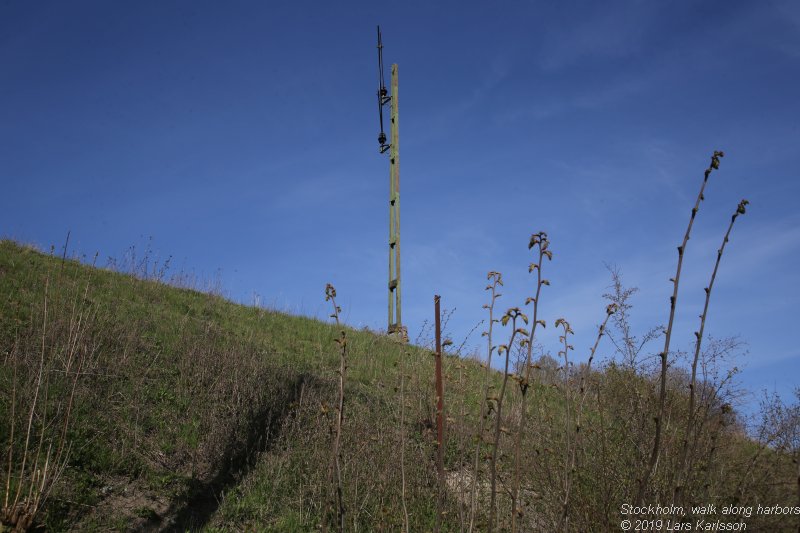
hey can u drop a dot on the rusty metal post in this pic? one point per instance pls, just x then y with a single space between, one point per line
439 414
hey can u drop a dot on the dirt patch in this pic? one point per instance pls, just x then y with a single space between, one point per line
188 503
205 494
133 504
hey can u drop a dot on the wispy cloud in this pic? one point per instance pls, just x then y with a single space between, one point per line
602 31
589 97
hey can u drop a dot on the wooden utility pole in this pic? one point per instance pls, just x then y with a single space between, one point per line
395 320
395 317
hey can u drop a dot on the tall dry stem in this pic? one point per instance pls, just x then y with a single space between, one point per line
542 244
43 453
564 338
336 452
690 417
662 397
571 465
495 279
511 315
403 442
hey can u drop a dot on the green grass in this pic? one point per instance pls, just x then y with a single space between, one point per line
178 378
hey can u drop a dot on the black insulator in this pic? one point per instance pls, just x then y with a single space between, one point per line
382 138
383 92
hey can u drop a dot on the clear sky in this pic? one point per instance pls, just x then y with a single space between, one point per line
241 137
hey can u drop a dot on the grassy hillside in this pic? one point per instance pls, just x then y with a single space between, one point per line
180 393
130 404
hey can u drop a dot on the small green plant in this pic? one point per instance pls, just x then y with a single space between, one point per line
146 512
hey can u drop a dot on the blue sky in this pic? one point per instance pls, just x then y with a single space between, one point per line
241 137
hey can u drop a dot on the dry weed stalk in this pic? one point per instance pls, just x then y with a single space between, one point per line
336 452
46 446
495 279
564 338
20 514
662 397
628 345
571 465
511 315
690 418
540 241
403 442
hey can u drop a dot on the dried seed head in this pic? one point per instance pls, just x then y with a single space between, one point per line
330 292
715 159
741 209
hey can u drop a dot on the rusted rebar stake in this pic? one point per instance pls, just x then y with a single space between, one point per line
439 414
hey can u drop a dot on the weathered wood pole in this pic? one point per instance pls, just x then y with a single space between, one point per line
395 299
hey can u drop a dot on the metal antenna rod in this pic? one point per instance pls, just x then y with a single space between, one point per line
383 97
381 83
